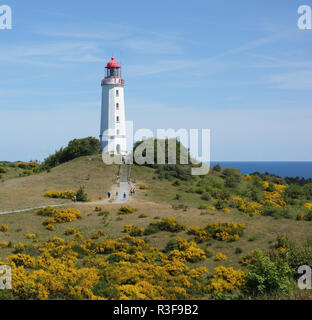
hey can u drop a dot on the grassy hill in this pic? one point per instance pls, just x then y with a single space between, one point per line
191 201
28 191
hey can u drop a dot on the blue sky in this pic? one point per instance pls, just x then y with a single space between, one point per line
241 68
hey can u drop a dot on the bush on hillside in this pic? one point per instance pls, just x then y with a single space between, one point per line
168 171
267 276
76 148
232 177
217 168
3 170
81 195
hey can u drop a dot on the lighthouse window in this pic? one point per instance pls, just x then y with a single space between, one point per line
117 93
117 119
117 106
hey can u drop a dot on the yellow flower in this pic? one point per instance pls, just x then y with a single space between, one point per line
30 236
220 257
4 228
226 280
308 205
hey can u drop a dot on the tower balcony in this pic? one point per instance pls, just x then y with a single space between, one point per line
112 80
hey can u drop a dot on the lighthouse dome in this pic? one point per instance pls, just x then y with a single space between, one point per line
112 64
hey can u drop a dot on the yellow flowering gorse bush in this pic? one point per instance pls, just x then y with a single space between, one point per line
226 280
67 194
4 228
220 257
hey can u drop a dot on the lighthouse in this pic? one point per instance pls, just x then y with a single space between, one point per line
113 122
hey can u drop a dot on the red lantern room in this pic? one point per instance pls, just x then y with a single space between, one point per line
113 73
113 69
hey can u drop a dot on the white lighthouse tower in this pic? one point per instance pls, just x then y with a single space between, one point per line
113 121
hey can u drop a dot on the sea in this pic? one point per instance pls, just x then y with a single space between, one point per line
301 169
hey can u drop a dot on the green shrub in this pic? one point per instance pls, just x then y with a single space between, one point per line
76 148
81 195
177 197
172 244
137 232
294 191
180 206
266 276
176 183
220 204
232 177
106 290
238 250
3 170
206 197
165 224
151 229
217 168
104 213
275 212
200 190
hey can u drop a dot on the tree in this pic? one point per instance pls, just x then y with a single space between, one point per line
76 148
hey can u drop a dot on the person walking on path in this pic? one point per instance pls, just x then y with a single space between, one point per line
108 195
125 195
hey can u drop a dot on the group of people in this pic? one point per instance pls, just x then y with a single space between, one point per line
109 195
132 191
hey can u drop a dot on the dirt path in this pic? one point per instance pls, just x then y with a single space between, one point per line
30 209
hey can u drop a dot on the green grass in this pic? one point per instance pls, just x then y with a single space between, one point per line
27 192
260 231
163 190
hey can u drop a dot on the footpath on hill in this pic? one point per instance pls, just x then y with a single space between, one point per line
117 193
30 209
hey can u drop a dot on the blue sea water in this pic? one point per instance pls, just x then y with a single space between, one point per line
280 168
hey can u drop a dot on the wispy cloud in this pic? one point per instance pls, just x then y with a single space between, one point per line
153 47
209 65
292 80
256 43
264 61
193 67
50 53
137 40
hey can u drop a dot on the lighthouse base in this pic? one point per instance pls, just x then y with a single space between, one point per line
114 146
